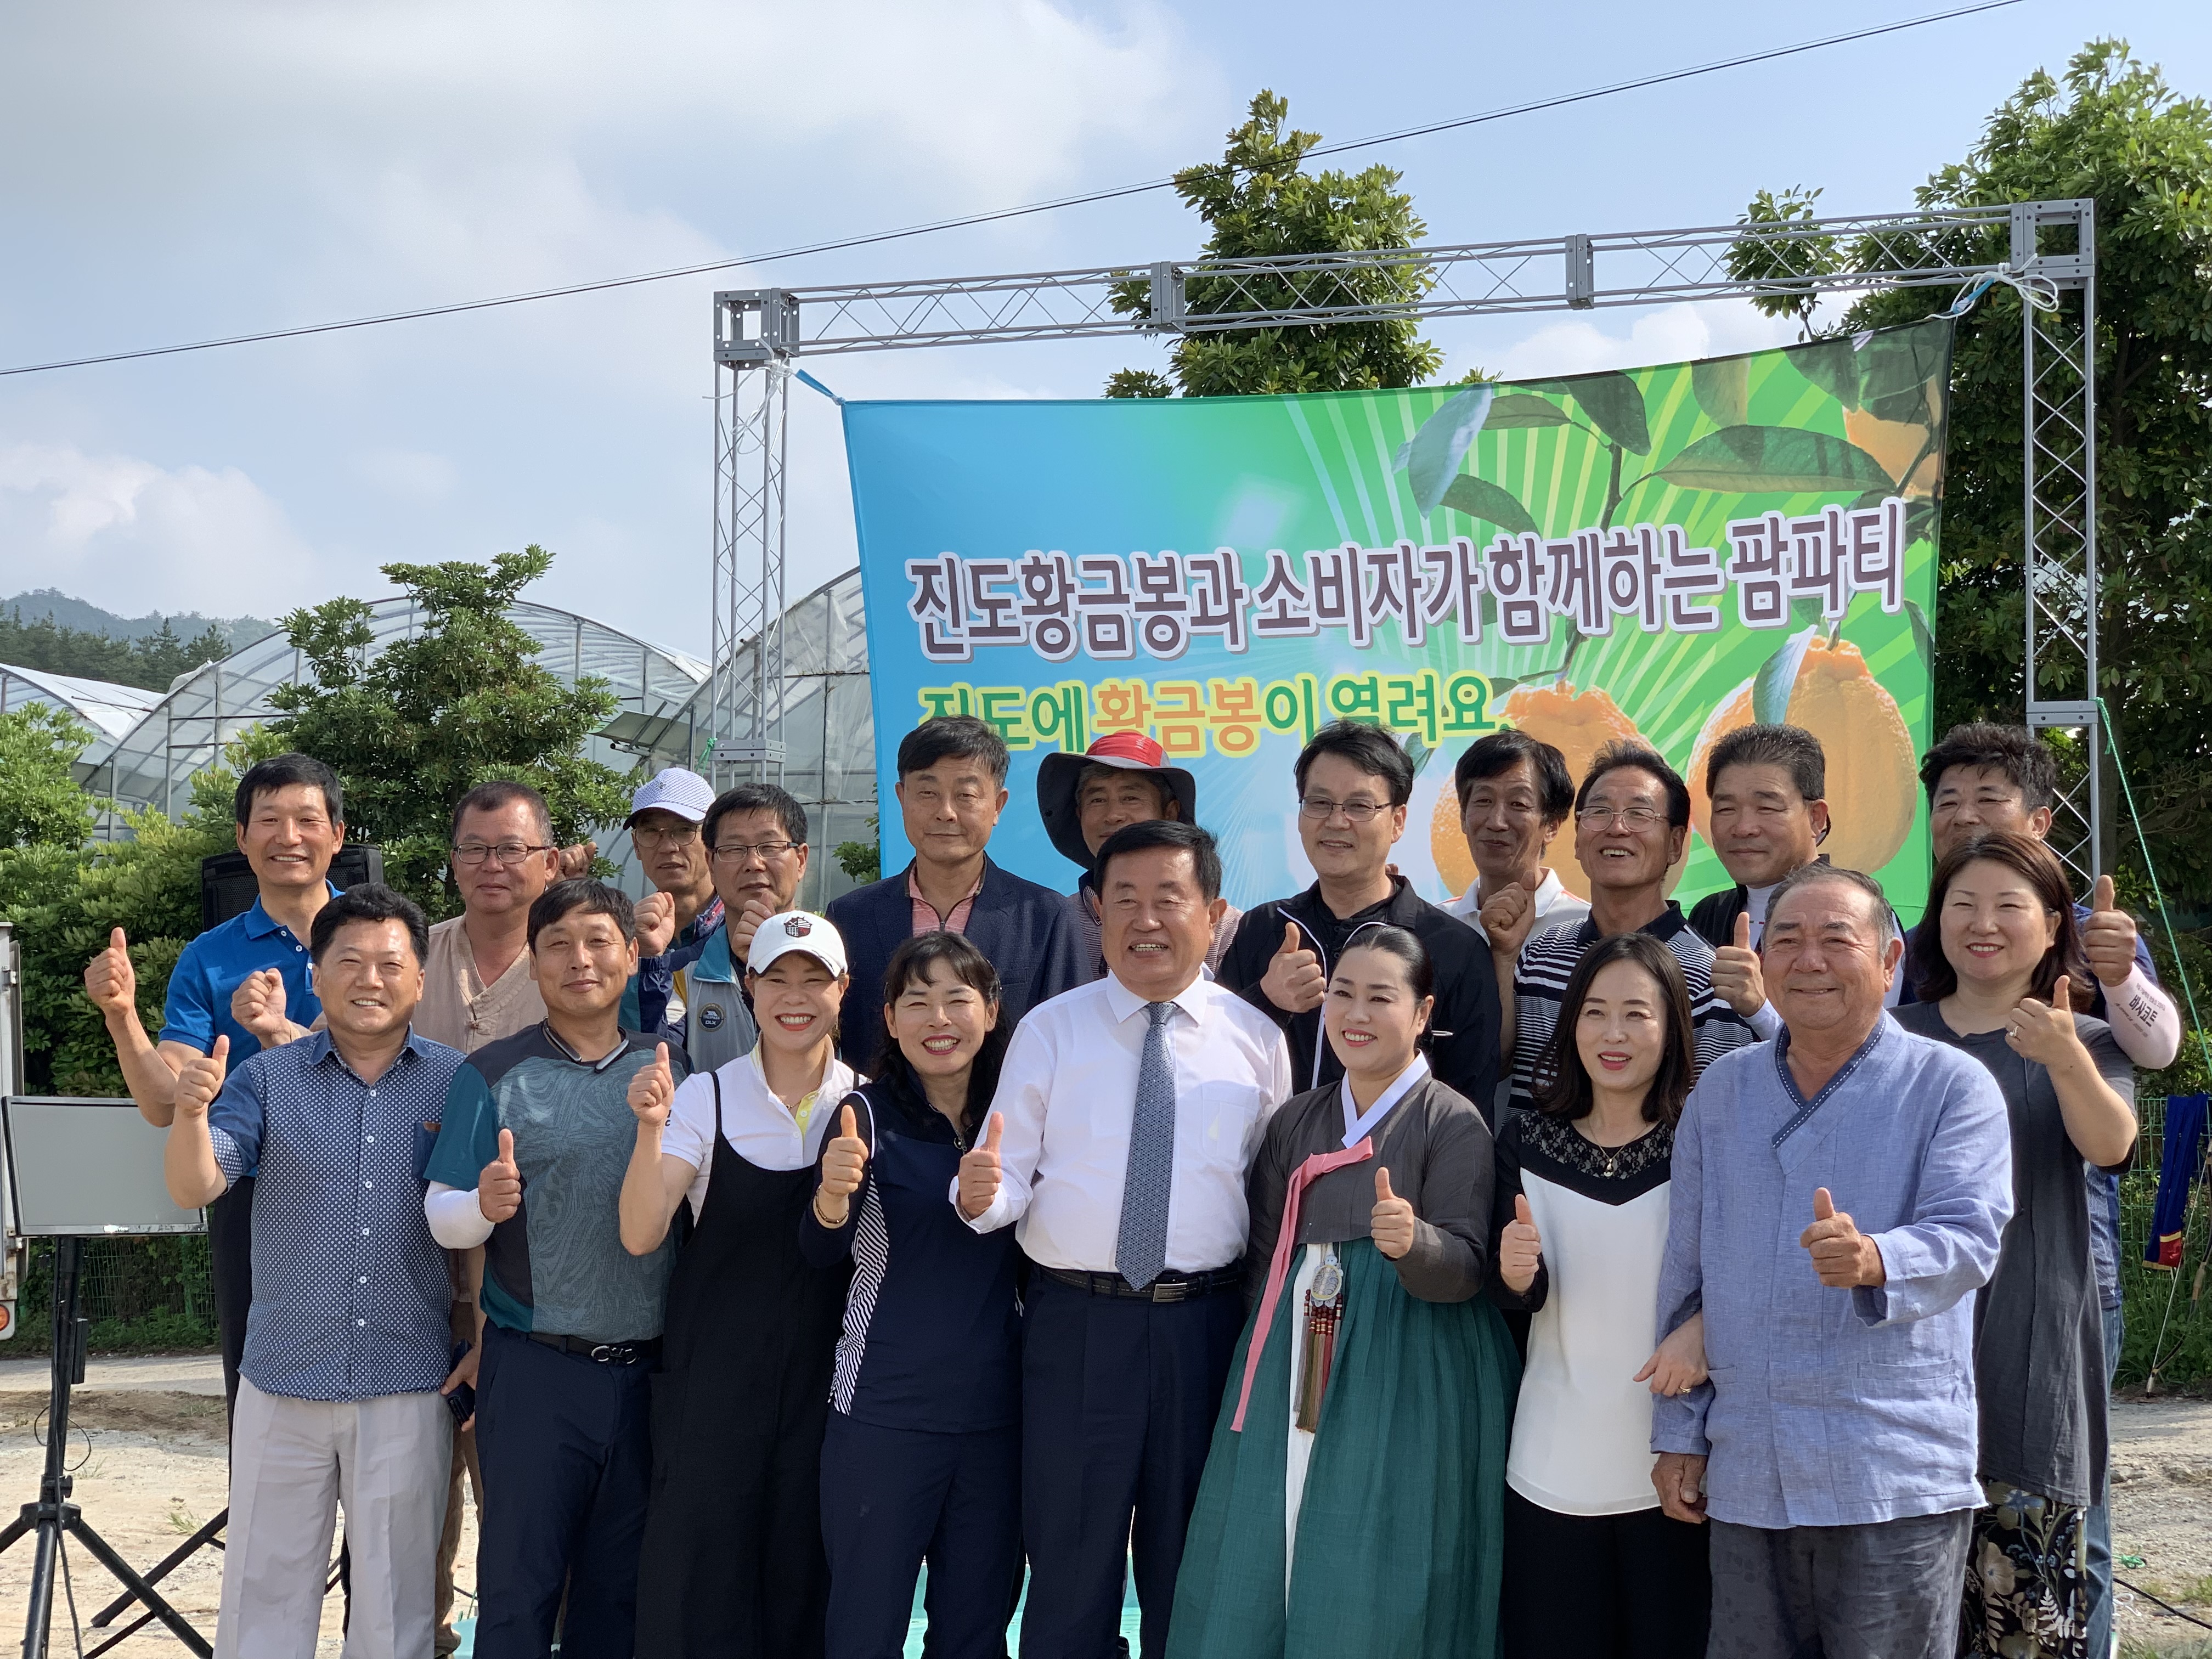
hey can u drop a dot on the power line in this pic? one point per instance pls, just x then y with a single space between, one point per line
966 221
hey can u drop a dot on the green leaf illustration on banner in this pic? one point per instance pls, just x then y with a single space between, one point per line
1481 499
1831 364
1923 636
1786 460
1895 365
1723 388
1777 679
1613 401
1522 410
1432 456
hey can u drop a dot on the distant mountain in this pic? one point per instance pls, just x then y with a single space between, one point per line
83 617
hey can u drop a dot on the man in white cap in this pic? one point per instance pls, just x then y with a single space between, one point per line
674 921
1121 779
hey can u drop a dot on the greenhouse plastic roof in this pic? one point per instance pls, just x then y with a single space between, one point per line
110 709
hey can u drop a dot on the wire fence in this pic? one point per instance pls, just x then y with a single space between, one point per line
140 1294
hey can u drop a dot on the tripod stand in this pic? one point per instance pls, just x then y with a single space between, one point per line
53 1515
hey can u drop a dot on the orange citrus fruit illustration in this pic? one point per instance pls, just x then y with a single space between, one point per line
1874 786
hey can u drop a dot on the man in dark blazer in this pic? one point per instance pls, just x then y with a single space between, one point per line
1354 782
952 789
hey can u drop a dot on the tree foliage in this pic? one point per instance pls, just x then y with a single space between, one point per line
150 661
40 805
458 701
1258 201
2109 128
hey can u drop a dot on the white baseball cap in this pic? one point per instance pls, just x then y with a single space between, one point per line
675 790
797 930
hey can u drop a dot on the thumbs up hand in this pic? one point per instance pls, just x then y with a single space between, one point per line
1294 981
1507 916
498 1189
1391 1225
843 1163
109 979
201 1079
1842 1256
2044 1032
980 1172
745 925
656 925
651 1091
258 1004
1520 1249
2108 937
1736 976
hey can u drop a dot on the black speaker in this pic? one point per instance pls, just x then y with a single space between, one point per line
227 888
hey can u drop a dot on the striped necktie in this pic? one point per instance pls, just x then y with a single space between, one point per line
1140 1250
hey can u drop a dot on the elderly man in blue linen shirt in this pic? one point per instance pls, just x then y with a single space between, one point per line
346 1343
1839 1195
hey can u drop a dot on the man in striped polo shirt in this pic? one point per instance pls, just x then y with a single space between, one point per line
1631 816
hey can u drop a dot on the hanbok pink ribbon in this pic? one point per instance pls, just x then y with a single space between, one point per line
1287 1248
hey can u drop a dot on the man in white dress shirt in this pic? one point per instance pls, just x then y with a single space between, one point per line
1128 1114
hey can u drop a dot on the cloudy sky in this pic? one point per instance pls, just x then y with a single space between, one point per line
173 172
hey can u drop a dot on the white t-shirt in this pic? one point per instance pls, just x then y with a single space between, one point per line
1555 906
760 1128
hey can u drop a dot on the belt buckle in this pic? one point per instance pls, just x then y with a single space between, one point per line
611 1353
1173 1290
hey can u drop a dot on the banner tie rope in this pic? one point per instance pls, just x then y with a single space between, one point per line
2034 288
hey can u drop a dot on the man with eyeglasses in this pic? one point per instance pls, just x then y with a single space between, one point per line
676 919
1632 817
1354 782
756 841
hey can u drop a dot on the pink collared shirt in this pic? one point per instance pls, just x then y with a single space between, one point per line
925 918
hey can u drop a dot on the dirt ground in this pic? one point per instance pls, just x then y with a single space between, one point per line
147 1448
150 1467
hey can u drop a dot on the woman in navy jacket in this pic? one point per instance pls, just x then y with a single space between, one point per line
922 1458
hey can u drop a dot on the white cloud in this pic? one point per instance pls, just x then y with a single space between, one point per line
132 536
1664 334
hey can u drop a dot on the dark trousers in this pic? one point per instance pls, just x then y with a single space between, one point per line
2098 1525
1630 1586
893 1498
1118 1398
1889 1589
230 1265
563 1445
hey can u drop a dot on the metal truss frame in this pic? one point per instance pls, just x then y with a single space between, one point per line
759 333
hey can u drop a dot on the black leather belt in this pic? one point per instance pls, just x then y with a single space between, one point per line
604 1353
1168 1287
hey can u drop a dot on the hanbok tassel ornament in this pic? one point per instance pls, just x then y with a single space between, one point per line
1324 1312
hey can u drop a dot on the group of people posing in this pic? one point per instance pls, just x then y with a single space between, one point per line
1531 1275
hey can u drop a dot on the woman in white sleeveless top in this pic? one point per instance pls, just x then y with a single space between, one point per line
1592 1570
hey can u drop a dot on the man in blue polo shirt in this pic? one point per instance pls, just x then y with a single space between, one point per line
291 822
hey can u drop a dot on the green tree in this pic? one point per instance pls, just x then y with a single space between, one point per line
2110 129
150 661
460 701
40 805
1258 202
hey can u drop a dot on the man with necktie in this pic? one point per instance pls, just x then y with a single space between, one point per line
1134 1216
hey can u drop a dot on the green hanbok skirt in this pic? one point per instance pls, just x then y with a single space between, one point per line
1399 1529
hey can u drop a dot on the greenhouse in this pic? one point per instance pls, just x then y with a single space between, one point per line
109 710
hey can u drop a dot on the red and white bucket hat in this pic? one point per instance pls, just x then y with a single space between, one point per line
1130 751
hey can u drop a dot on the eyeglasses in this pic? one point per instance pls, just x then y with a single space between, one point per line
738 850
474 853
676 835
1321 809
1635 818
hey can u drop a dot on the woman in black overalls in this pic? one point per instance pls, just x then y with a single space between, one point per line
731 1565
921 1459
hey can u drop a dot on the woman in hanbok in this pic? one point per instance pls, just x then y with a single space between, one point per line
1350 1504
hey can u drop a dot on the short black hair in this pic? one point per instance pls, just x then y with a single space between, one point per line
489 797
2023 758
1621 753
909 966
1370 748
371 901
1503 750
582 893
1404 944
955 736
1792 748
756 798
282 772
1204 855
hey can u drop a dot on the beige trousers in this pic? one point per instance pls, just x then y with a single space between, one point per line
295 1464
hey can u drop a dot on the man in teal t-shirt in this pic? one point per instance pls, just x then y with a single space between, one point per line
529 1163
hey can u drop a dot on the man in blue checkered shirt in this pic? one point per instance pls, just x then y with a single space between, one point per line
346 1345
